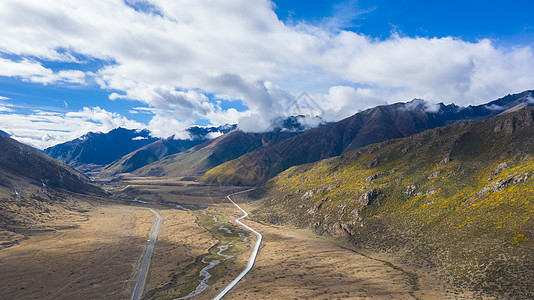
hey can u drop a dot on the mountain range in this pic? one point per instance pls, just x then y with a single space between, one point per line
98 149
441 186
95 150
260 156
201 158
367 127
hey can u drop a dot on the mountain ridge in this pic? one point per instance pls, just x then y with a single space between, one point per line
373 125
200 158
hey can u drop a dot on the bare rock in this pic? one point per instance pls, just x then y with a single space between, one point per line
410 189
368 197
445 160
501 167
434 174
340 229
307 195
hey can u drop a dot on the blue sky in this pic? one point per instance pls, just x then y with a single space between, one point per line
504 21
68 68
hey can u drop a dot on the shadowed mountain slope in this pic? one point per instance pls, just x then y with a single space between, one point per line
37 192
100 148
163 148
20 160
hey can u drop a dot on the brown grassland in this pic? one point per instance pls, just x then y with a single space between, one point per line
99 257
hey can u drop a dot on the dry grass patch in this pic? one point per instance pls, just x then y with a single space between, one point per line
94 260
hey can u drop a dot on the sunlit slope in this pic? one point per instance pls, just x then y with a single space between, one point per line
374 125
148 154
459 198
212 153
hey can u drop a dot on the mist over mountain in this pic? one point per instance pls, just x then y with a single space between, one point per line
199 132
367 127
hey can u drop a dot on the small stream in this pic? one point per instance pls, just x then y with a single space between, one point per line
214 260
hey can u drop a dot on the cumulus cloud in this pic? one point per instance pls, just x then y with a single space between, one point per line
174 55
43 129
34 72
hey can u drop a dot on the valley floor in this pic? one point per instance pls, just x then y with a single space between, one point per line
92 261
297 264
100 257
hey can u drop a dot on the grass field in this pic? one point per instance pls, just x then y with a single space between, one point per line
93 260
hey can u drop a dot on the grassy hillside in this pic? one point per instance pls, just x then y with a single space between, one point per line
148 154
367 127
458 199
212 153
37 192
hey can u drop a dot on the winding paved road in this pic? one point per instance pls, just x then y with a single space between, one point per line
253 255
138 291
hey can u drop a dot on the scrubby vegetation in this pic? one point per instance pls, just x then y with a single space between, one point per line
192 281
457 199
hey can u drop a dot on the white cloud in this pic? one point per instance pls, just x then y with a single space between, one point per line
174 53
34 72
343 101
5 108
213 135
43 129
166 125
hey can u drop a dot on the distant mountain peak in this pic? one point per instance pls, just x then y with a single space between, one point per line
422 104
97 148
207 132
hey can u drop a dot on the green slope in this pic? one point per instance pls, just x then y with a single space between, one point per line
459 199
147 155
197 160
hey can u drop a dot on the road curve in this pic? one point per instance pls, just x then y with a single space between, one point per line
253 255
138 291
